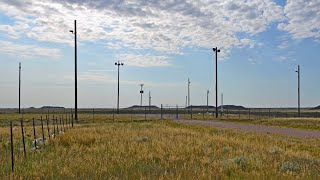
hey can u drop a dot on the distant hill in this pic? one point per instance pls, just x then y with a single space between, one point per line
318 107
52 107
210 107
233 107
199 107
142 107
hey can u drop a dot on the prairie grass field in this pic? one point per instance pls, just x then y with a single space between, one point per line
157 149
293 122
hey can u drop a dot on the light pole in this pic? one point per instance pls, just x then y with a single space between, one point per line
75 71
207 100
141 92
189 92
298 71
118 64
216 50
19 87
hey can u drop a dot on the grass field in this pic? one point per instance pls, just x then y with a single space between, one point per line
299 123
160 149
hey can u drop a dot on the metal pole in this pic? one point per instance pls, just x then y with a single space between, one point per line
216 51
118 64
216 84
141 92
207 100
189 92
75 72
299 91
19 87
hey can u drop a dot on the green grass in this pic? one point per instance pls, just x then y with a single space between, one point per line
161 150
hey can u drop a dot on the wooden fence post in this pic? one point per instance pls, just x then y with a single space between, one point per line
42 129
23 142
11 140
34 134
48 126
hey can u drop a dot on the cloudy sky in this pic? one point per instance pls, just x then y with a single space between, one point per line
162 44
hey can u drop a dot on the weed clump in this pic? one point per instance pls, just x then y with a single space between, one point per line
291 166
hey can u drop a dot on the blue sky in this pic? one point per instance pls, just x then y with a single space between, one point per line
162 45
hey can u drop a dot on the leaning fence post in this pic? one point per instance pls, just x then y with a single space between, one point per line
48 126
191 111
34 134
161 111
54 126
11 143
23 142
57 124
42 129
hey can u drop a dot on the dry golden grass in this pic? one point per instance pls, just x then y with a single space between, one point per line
162 150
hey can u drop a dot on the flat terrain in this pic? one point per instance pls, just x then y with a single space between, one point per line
297 123
160 149
256 128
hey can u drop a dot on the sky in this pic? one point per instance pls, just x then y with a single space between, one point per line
162 44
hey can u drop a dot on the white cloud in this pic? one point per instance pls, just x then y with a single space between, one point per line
28 51
303 19
139 60
165 26
99 78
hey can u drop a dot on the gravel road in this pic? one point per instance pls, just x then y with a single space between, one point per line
255 128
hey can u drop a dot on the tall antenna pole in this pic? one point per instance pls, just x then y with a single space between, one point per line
216 50
75 71
141 92
19 87
118 97
298 71
207 100
189 92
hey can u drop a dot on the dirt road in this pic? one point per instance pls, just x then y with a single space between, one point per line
255 128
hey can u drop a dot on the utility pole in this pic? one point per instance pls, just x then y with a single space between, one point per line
118 64
75 71
141 92
216 50
298 71
19 87
189 92
207 100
